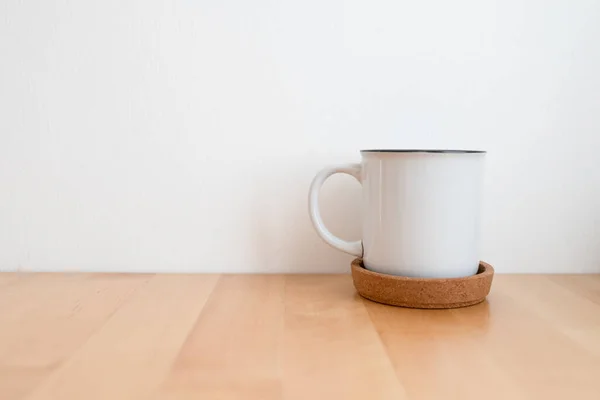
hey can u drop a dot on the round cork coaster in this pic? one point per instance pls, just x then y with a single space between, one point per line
423 292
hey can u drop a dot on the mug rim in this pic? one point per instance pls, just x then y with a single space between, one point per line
423 151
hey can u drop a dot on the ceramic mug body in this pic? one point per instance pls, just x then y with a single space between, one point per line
420 214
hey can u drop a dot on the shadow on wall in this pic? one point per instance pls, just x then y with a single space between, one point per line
285 240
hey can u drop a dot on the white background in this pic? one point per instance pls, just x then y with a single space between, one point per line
182 135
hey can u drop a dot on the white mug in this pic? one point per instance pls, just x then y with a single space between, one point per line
420 211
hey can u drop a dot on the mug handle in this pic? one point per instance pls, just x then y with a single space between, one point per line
354 248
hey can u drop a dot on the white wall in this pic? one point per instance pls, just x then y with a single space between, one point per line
182 135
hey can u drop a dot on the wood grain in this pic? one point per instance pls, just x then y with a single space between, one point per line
101 336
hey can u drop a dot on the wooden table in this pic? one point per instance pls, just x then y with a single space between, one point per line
117 336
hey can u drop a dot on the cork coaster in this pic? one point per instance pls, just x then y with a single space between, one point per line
423 292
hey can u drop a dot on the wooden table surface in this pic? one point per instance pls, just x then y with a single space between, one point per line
117 336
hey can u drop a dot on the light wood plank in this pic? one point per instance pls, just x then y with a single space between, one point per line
436 353
9 278
529 343
45 318
331 349
233 351
132 353
99 336
587 286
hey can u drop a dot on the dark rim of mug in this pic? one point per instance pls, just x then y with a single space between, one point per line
422 151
